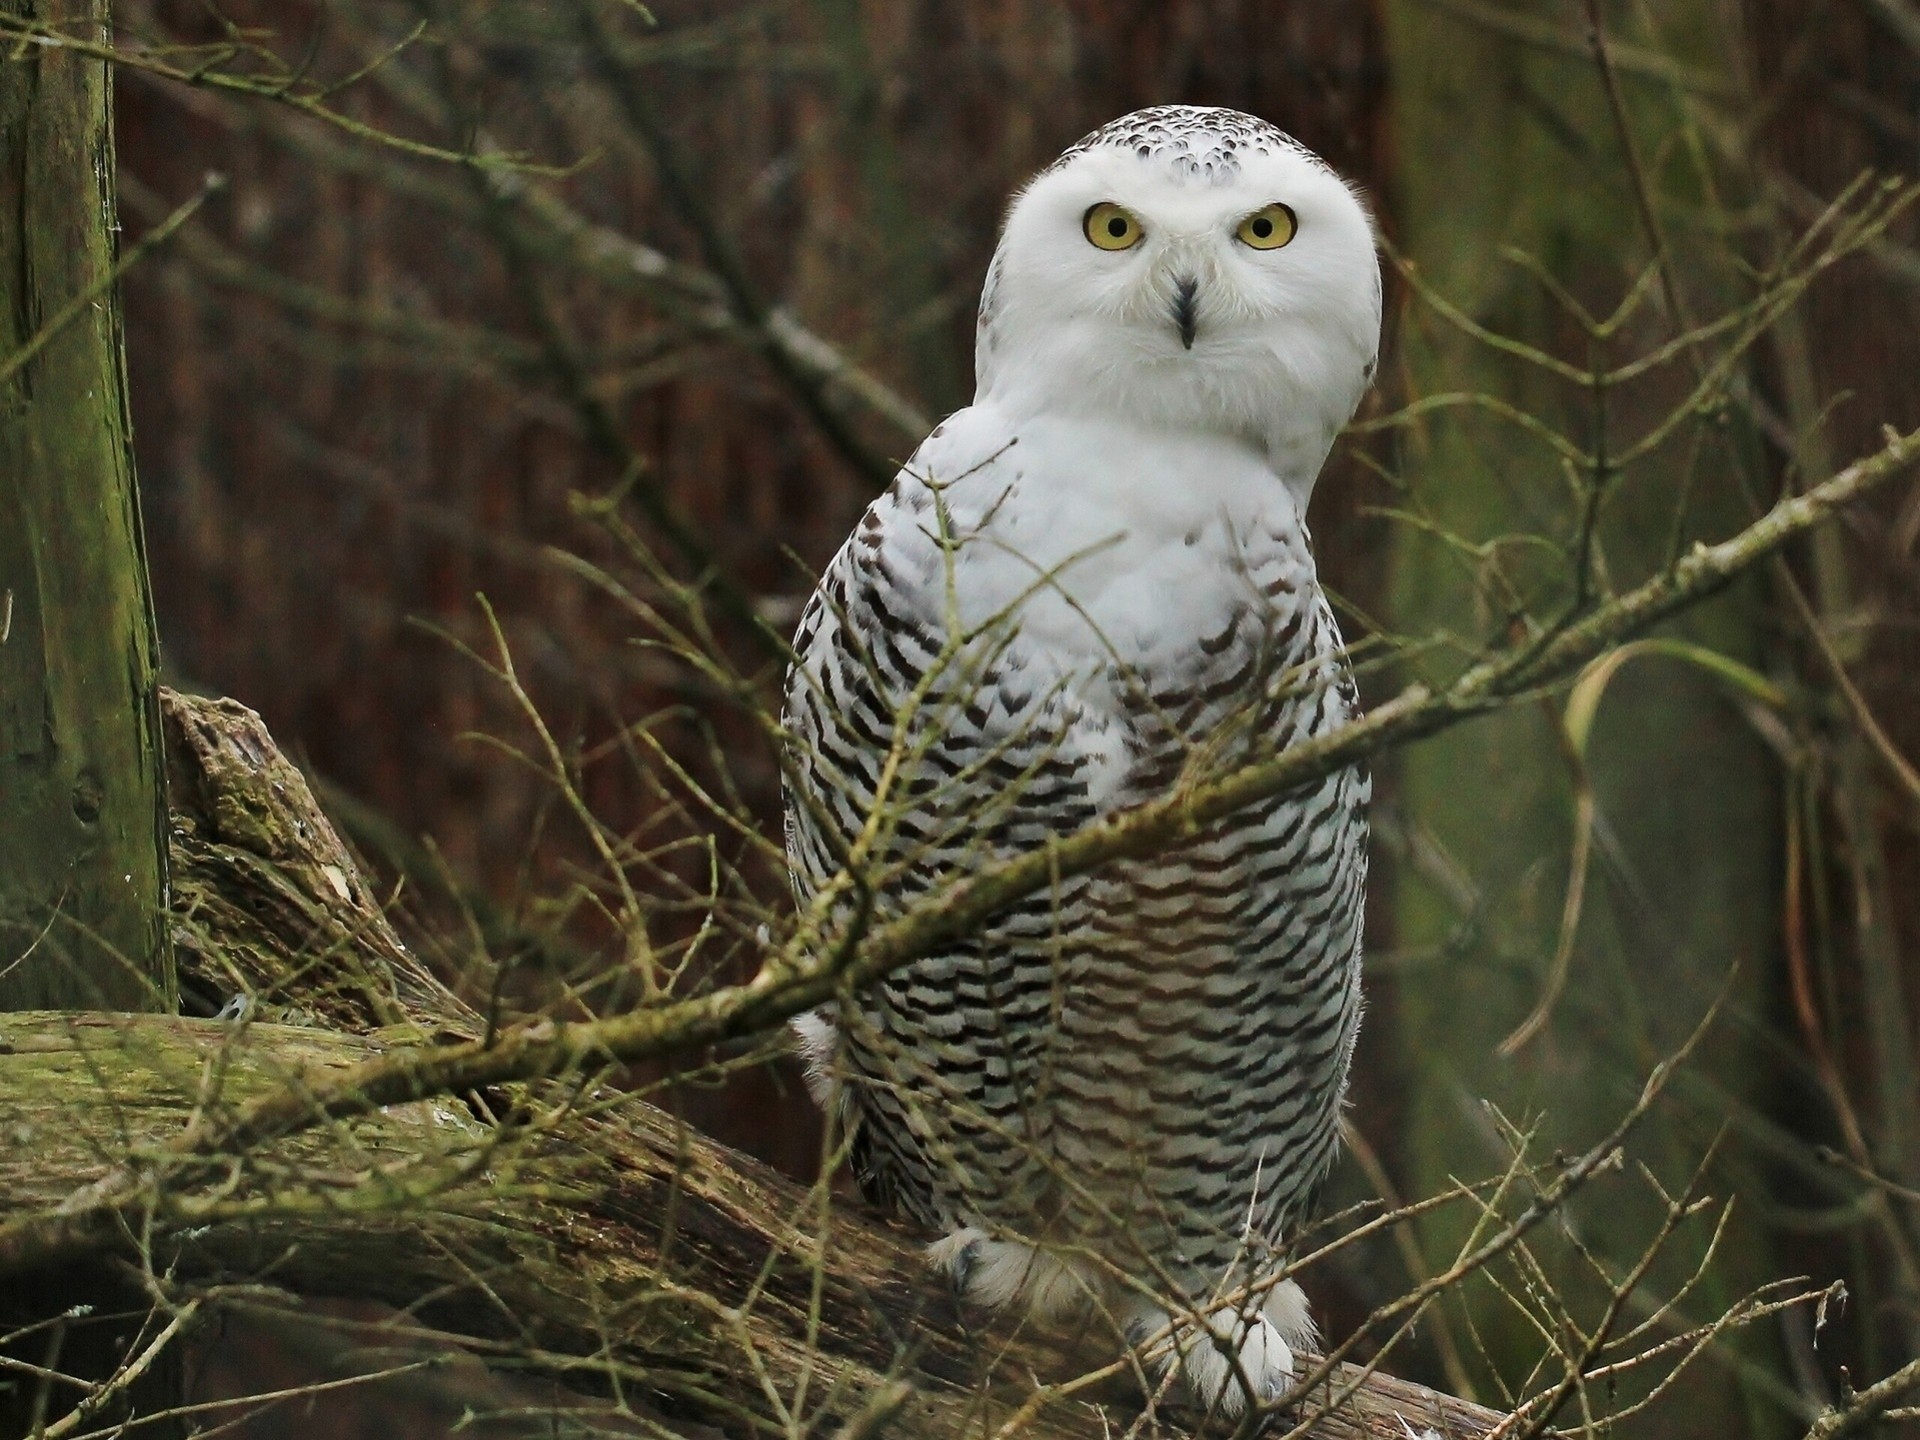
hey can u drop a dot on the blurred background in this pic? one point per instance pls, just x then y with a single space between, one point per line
731 282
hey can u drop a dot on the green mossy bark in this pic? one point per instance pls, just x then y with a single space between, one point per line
567 1217
1502 143
82 806
611 1232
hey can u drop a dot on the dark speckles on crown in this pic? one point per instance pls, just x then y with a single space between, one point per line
989 304
1198 141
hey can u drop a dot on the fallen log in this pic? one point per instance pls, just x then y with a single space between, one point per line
564 1226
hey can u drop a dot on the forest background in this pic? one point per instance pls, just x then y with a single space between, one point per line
1649 268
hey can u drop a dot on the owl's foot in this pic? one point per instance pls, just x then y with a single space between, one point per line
996 1273
1234 1359
954 1255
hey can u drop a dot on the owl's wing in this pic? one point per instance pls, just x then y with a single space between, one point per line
925 736
920 747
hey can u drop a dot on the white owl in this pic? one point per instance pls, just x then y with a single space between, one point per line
1086 588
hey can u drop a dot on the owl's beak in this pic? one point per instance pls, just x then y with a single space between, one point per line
1184 293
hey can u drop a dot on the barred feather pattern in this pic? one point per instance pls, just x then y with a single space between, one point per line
1146 1061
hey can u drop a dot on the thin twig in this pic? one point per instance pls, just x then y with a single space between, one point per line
122 1378
207 77
1862 1408
721 257
79 305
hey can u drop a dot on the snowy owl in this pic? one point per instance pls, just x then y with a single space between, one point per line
1088 588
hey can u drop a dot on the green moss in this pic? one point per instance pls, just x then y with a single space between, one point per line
82 810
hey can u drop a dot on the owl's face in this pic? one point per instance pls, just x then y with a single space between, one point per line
1192 268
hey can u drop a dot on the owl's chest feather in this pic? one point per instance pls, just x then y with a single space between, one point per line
1105 544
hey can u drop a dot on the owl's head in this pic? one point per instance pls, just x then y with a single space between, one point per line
1189 267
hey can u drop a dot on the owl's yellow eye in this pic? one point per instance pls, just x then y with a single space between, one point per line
1268 228
1111 228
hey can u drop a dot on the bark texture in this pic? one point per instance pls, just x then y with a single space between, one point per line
82 847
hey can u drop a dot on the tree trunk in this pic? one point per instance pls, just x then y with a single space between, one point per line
82 811
1509 141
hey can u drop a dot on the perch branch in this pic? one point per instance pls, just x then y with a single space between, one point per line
573 1230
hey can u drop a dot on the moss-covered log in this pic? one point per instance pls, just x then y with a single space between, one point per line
267 904
578 1228
82 846
682 1267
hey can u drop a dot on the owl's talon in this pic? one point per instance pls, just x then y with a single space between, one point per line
1234 1358
992 1273
956 1256
963 1264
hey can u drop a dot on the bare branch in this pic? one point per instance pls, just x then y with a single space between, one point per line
1862 1408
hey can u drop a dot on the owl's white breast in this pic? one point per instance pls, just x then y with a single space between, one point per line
1111 541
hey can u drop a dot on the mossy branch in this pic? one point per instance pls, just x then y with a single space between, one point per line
571 1230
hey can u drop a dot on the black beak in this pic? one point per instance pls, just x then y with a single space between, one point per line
1183 296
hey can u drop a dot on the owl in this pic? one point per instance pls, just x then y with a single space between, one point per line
1088 589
